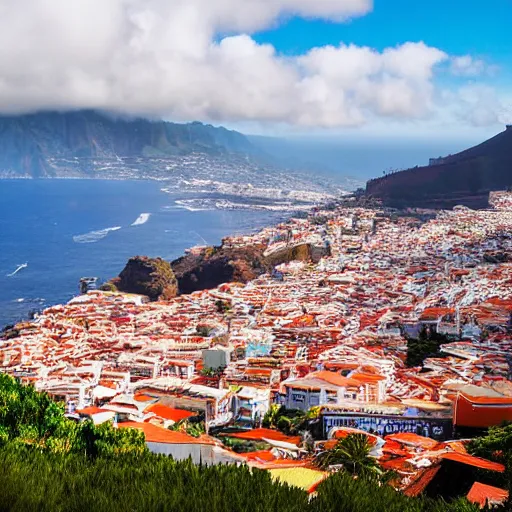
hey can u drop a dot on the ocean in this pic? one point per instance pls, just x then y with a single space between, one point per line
53 232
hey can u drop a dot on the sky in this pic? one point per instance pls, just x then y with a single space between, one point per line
382 68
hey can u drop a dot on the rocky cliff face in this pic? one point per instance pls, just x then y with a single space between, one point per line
32 145
152 277
465 178
217 265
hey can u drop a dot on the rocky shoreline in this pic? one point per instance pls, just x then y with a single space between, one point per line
205 268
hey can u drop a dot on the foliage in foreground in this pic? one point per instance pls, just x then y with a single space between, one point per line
342 492
496 445
50 463
30 417
32 479
353 452
43 481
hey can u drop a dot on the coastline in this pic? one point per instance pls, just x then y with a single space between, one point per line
22 300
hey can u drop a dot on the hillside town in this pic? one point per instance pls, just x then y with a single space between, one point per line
340 343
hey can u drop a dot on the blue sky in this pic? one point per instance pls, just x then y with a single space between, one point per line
460 28
477 27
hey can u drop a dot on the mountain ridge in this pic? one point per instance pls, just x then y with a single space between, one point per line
465 178
36 145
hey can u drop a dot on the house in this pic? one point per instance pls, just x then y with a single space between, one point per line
250 404
96 414
320 388
214 403
181 446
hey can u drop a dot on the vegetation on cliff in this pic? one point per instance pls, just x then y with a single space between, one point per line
152 277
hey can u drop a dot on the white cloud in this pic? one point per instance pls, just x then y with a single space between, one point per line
469 66
165 58
476 105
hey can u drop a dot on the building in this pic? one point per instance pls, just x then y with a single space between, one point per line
321 388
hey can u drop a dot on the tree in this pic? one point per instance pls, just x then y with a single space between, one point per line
193 427
272 416
496 445
353 452
426 345
290 421
28 417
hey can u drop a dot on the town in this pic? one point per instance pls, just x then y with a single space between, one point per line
402 332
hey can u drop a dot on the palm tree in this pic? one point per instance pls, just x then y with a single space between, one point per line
353 452
272 416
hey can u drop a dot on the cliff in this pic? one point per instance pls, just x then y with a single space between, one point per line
216 265
38 145
465 178
152 277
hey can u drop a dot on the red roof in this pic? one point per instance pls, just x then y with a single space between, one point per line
482 494
435 313
343 432
168 413
421 483
470 460
395 448
333 378
410 439
258 434
259 456
156 434
367 377
89 411
481 411
143 398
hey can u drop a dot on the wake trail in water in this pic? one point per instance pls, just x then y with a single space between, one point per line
20 267
94 236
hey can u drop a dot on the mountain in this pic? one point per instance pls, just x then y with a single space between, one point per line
49 143
465 178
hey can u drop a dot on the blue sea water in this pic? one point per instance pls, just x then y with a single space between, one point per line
67 229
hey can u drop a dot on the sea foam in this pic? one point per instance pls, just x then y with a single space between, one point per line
94 236
142 219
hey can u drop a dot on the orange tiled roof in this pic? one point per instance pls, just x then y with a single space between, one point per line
334 378
259 456
421 483
367 377
482 494
89 411
471 460
168 413
143 398
410 439
258 434
156 434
